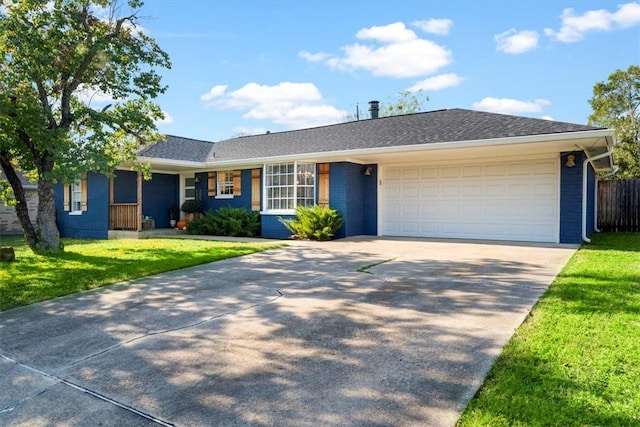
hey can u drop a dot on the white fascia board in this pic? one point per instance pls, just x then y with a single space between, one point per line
606 134
171 162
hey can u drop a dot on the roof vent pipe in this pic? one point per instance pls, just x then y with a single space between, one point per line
374 108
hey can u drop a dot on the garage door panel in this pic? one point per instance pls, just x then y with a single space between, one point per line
450 189
501 201
472 171
429 190
472 190
545 168
495 170
544 189
450 172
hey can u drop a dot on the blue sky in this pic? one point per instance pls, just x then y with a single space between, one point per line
252 66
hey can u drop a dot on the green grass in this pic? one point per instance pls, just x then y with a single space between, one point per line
575 361
87 264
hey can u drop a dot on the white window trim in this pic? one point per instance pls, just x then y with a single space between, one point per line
265 201
72 199
218 186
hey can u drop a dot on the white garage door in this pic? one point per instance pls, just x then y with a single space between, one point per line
498 201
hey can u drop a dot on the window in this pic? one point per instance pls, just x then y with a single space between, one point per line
225 183
76 197
189 188
289 185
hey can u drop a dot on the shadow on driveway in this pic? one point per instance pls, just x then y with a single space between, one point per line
289 337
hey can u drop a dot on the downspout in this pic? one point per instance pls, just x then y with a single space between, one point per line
595 197
584 190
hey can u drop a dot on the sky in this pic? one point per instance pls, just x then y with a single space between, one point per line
248 67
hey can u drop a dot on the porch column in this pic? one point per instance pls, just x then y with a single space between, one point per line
139 202
111 199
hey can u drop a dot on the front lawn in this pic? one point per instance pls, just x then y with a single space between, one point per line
575 361
87 264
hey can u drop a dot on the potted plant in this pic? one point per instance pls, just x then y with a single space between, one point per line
192 209
174 214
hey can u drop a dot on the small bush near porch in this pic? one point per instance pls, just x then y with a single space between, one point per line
88 264
227 221
576 360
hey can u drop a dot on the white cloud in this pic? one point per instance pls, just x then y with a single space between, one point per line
88 95
392 33
547 118
214 92
437 82
574 27
510 106
168 119
394 51
294 105
435 26
516 42
313 57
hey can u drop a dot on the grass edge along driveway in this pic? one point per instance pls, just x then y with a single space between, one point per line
575 361
88 264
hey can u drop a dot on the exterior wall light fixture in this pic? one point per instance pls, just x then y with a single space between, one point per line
571 161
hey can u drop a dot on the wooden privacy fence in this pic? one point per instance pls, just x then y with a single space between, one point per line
619 205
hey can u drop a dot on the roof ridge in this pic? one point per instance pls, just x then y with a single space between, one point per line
191 139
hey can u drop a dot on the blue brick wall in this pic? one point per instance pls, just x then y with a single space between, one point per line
591 185
241 201
94 222
125 187
272 228
354 195
370 203
158 195
571 199
351 193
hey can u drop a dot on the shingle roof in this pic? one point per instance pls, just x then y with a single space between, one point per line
23 180
178 148
413 129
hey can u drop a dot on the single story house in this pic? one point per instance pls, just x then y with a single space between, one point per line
9 222
451 173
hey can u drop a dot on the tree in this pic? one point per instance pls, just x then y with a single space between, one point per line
406 102
616 105
57 57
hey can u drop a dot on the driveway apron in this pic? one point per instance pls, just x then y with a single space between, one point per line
359 331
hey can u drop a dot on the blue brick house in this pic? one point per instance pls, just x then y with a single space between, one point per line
442 174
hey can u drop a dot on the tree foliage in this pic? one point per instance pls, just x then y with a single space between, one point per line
616 105
58 58
405 102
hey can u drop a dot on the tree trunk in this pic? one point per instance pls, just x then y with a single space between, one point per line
46 238
49 236
22 209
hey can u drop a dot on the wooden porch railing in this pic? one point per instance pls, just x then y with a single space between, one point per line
123 216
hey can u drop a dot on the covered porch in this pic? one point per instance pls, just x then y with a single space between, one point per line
137 205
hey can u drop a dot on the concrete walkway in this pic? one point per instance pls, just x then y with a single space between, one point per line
294 336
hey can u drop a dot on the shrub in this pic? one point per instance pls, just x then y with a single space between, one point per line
227 221
314 223
191 207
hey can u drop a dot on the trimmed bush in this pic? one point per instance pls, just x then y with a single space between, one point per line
191 207
314 223
227 221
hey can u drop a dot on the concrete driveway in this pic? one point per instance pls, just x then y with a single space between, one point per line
289 337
